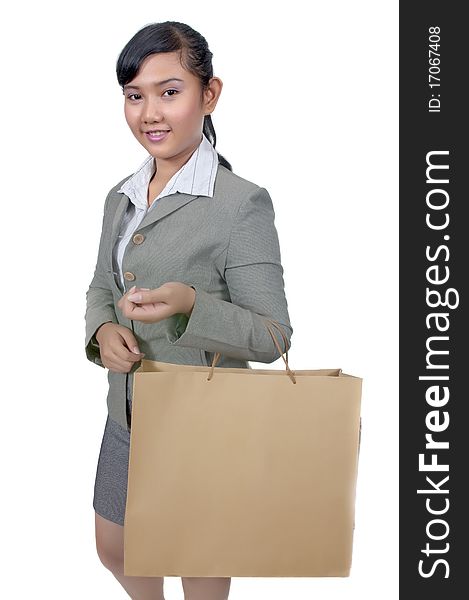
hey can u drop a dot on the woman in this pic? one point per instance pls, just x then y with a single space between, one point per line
188 263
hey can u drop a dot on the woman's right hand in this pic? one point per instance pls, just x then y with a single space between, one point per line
118 347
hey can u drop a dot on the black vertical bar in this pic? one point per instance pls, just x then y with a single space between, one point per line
434 267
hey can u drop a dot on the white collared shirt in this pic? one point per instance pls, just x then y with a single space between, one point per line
196 176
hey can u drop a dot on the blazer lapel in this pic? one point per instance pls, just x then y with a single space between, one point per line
165 206
122 201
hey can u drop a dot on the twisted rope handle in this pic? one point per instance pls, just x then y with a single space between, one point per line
269 324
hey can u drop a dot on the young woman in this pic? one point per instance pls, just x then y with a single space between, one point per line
188 263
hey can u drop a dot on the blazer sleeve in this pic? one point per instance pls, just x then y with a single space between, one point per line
253 273
99 299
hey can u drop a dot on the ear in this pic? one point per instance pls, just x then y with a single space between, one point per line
211 94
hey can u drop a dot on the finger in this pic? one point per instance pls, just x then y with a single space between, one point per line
125 304
125 295
118 366
144 296
122 358
129 341
148 306
150 313
124 355
115 363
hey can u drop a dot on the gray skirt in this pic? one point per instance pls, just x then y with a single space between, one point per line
110 487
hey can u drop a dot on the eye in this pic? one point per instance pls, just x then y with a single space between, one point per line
133 96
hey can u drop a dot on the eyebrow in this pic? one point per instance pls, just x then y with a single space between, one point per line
136 87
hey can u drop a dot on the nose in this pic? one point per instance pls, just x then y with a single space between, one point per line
151 111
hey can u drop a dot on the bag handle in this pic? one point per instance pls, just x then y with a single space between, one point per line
285 341
268 323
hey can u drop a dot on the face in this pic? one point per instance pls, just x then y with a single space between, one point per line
165 96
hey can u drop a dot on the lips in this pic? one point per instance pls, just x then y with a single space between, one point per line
157 136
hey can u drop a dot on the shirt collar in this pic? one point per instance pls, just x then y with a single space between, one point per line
196 176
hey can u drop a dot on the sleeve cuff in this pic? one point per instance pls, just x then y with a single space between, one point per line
216 325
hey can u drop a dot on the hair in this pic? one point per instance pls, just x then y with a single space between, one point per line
171 36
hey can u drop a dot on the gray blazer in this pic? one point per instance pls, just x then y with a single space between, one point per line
226 247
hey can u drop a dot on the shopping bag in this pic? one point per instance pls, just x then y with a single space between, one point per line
241 472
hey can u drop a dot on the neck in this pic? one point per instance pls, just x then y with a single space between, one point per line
165 168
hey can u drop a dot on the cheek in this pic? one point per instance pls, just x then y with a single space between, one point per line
189 113
130 116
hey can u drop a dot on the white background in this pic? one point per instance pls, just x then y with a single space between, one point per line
309 111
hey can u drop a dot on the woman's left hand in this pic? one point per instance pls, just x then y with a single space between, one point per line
151 306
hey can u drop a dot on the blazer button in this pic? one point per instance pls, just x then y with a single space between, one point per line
138 238
129 276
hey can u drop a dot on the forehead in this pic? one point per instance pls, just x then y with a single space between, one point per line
159 68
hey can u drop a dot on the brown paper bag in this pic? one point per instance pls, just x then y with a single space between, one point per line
241 472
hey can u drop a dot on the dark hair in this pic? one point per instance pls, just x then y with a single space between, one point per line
171 36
